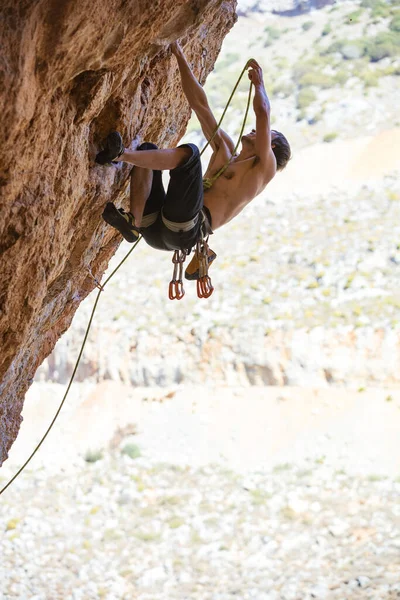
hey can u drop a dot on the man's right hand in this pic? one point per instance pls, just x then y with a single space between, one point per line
176 49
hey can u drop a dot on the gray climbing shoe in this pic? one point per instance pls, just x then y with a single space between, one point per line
113 148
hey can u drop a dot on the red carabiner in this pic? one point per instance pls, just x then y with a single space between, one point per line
176 290
204 287
179 290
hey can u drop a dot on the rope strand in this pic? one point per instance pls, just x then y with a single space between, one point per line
74 371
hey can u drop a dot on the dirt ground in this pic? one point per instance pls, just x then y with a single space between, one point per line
342 163
253 428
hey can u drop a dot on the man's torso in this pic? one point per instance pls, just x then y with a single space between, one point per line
234 189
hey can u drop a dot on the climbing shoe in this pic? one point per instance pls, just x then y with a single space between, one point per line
192 270
113 148
121 220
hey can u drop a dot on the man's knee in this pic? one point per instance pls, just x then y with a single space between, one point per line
185 153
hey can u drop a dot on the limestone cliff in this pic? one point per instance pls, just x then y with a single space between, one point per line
70 72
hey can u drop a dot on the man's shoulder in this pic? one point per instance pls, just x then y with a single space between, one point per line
264 168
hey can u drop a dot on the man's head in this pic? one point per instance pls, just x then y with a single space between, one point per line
281 149
280 146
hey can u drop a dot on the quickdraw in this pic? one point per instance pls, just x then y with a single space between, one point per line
176 290
204 285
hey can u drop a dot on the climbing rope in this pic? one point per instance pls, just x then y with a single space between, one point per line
226 108
176 291
101 289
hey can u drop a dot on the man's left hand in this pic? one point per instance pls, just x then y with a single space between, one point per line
255 73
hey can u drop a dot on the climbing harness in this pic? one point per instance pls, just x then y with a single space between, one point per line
204 285
176 290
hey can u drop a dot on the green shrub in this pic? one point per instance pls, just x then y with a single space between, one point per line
273 34
281 62
305 97
329 137
92 456
369 3
285 89
301 68
370 79
131 450
354 17
317 79
327 29
341 76
379 8
395 23
307 25
381 11
383 45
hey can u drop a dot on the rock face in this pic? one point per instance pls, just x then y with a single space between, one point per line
72 71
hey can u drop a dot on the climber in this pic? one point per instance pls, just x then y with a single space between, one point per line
193 205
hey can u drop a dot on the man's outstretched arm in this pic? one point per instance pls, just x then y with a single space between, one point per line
262 111
197 99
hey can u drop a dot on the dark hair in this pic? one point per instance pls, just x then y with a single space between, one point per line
282 151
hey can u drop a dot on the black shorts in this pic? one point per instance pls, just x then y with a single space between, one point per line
182 202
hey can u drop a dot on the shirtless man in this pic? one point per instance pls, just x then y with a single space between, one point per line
192 205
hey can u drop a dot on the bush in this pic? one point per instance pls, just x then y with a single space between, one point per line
349 49
284 89
131 450
384 45
317 79
341 77
273 34
301 68
307 25
329 137
305 97
395 23
92 456
379 8
327 29
370 79
354 17
333 48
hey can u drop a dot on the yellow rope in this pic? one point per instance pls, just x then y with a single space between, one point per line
75 368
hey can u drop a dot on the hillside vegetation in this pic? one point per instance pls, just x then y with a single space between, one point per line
316 66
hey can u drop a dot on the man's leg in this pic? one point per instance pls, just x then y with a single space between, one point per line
147 195
146 190
156 160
